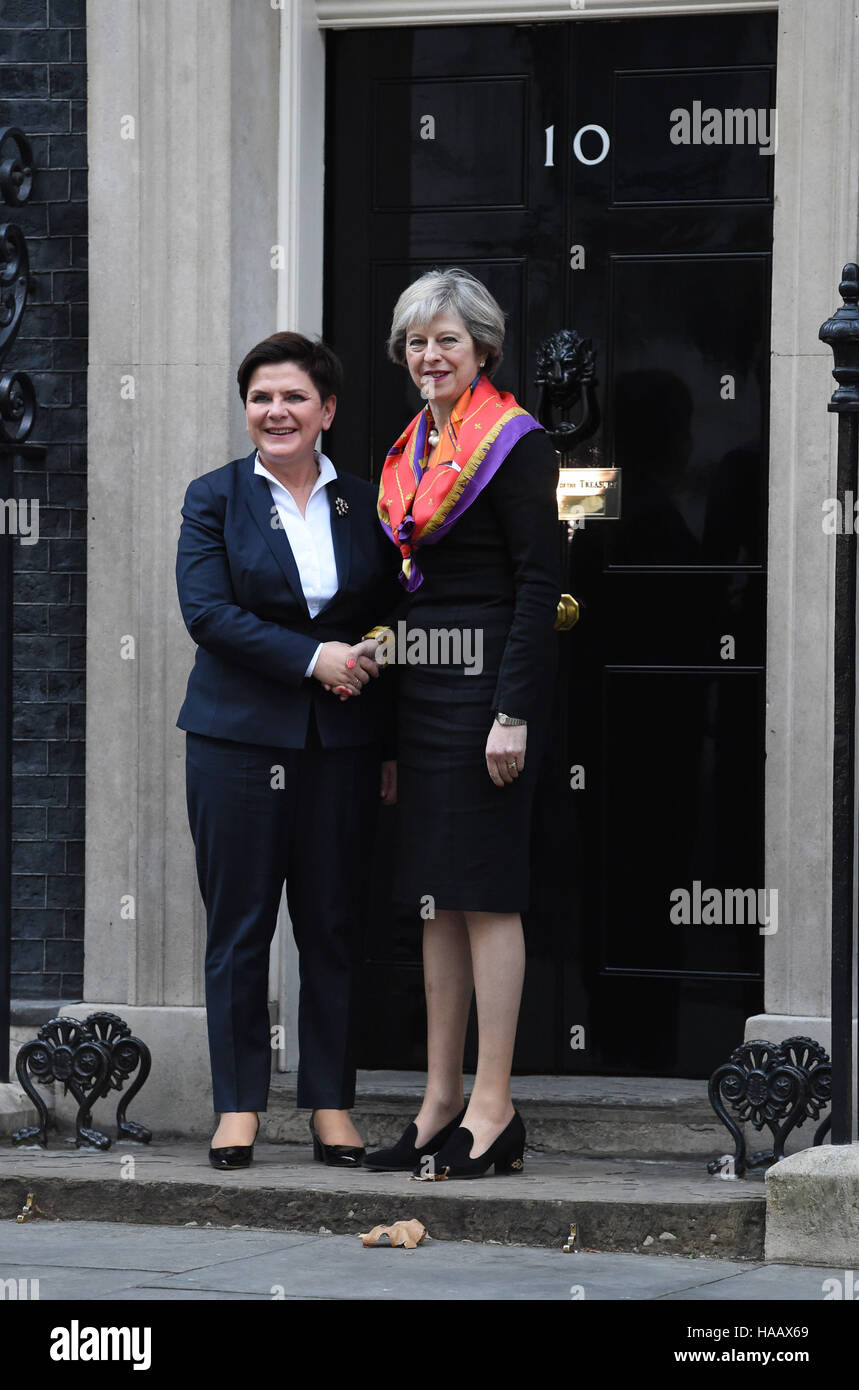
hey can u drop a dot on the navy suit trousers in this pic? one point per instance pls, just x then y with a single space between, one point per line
260 815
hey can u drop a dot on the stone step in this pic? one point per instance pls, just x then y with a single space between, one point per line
16 1109
595 1117
656 1207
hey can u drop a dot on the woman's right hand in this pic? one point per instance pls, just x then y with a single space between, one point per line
348 668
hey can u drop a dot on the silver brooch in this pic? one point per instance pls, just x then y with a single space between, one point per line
341 505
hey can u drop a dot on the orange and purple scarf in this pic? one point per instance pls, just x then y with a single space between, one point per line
421 498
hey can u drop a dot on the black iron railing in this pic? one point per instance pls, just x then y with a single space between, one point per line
17 417
841 332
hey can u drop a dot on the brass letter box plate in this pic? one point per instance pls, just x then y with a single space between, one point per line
588 494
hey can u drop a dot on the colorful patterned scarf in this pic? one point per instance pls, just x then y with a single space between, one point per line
422 497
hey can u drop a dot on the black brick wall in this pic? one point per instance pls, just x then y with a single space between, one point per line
43 90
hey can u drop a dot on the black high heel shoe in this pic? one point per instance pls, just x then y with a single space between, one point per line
404 1156
507 1153
335 1155
233 1155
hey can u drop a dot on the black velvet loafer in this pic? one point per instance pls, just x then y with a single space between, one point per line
506 1154
404 1156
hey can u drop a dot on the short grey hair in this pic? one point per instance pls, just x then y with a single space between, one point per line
451 291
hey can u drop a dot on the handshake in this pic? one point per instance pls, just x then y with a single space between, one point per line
346 670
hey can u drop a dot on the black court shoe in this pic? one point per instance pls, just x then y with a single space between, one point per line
335 1155
507 1153
404 1156
234 1155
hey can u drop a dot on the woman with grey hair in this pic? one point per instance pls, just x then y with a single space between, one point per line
467 493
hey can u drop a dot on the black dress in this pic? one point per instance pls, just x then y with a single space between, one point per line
495 579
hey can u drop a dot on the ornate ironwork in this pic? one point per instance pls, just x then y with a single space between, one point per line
64 1051
777 1085
91 1058
814 1060
566 376
17 393
127 1055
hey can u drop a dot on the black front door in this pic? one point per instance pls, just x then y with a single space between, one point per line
556 163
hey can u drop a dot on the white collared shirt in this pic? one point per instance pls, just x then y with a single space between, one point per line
309 537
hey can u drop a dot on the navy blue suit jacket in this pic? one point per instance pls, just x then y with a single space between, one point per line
242 602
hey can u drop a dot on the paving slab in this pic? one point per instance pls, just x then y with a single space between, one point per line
164 1250
147 1294
655 1207
103 1262
778 1283
50 1282
441 1270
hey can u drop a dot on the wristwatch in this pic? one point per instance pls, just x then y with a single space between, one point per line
508 720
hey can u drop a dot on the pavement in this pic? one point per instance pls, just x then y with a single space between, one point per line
118 1262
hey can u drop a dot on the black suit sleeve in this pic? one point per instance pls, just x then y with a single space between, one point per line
523 496
211 614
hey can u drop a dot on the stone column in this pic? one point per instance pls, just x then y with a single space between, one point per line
183 147
816 232
301 156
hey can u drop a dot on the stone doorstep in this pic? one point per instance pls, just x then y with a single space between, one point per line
582 1116
596 1117
633 1206
578 1116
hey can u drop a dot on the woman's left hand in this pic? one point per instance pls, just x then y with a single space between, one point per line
505 752
389 783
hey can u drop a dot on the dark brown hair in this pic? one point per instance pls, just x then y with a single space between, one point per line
316 359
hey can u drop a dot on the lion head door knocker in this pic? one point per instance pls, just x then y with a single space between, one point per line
567 382
566 376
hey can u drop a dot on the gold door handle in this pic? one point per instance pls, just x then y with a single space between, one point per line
568 613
